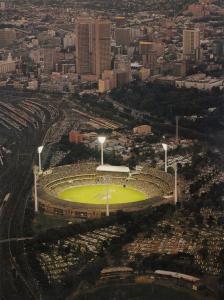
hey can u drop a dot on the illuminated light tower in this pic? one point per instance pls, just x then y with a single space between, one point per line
101 140
39 150
175 184
165 148
106 180
35 173
177 129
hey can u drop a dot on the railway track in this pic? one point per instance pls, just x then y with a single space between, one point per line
16 280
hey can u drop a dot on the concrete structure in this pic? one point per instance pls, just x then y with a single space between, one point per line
122 62
116 274
69 40
186 277
201 82
176 68
103 85
123 36
146 47
8 65
33 85
3 6
144 73
123 77
75 137
47 57
119 20
142 130
93 49
154 183
199 10
191 44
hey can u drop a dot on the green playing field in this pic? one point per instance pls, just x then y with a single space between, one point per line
97 194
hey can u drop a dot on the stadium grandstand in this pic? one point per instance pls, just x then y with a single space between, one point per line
80 190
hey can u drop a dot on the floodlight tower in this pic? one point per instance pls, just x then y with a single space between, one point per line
107 203
39 150
35 173
175 184
106 180
177 129
165 148
101 140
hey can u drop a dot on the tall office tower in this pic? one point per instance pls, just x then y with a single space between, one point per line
123 36
7 37
191 44
93 49
146 47
119 20
4 5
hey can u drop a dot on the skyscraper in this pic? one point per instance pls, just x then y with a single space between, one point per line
93 49
123 36
191 44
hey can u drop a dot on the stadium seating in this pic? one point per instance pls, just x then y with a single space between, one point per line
151 181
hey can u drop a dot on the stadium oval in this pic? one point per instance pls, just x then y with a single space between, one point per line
156 185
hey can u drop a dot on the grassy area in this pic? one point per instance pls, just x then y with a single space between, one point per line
97 194
136 292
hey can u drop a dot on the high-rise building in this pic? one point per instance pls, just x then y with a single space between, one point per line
47 57
191 44
4 5
119 20
145 47
7 37
69 40
149 60
93 48
218 48
123 36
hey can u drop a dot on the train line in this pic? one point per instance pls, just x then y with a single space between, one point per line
16 281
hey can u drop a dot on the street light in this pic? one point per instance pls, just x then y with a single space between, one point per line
101 140
39 150
165 147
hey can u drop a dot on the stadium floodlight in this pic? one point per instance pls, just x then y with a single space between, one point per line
165 148
176 195
106 180
35 173
101 140
175 183
107 202
39 150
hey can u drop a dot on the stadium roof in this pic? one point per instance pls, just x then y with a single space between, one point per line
109 168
